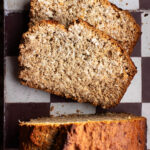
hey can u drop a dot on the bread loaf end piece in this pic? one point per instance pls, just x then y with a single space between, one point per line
94 132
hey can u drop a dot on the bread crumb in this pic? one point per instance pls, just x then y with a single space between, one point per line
145 15
78 111
51 108
58 113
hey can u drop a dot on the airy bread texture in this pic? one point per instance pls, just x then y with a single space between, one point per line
84 132
103 15
78 62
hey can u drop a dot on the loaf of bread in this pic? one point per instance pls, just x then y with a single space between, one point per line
77 62
103 15
84 132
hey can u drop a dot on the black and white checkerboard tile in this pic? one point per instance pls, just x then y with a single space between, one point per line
23 103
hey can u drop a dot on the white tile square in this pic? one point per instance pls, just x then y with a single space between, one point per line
146 113
71 108
126 4
17 93
133 93
15 5
145 40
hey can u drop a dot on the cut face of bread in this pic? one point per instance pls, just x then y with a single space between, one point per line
84 132
78 62
103 15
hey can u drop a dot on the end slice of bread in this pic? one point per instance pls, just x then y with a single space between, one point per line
101 14
77 62
84 132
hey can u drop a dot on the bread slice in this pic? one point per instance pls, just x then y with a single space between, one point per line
85 132
77 62
103 15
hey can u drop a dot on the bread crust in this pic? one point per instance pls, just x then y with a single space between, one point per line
94 135
86 25
136 26
137 34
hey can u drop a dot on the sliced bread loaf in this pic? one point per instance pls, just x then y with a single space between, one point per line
85 132
77 62
103 15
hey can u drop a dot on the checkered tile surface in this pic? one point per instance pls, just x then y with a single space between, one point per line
23 103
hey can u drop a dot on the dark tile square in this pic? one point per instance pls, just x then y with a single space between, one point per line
15 26
133 108
137 49
1 74
21 111
59 99
137 17
146 79
144 4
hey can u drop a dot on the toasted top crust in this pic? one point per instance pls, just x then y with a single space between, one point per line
81 119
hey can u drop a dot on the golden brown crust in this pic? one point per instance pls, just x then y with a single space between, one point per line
117 136
100 135
136 26
42 22
86 25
